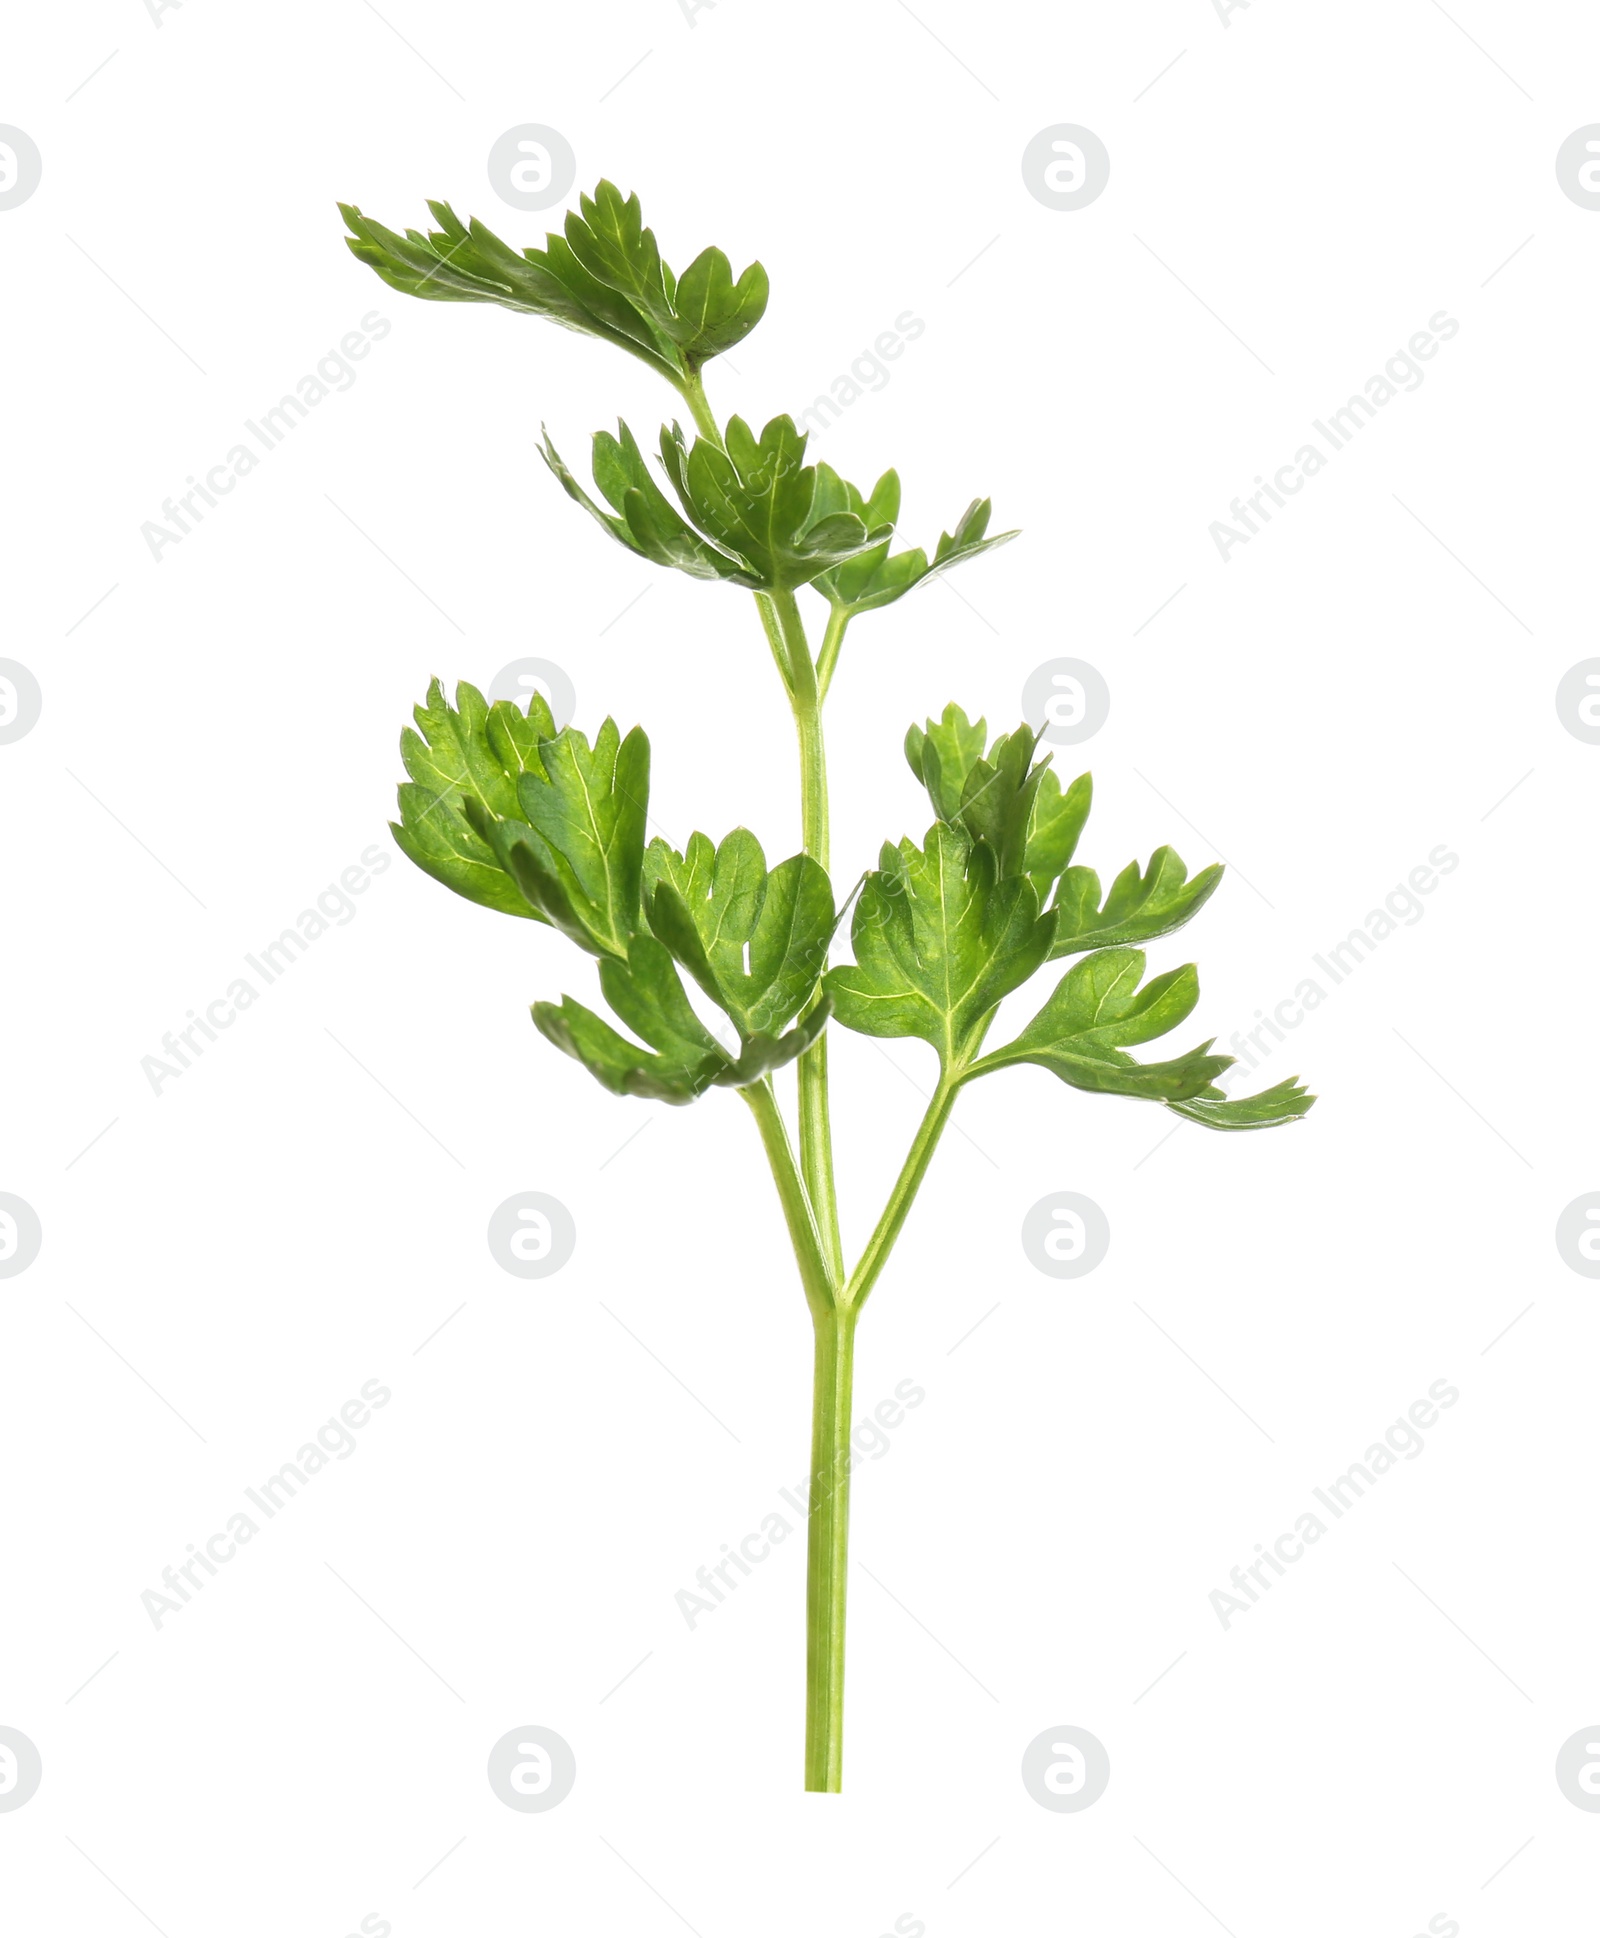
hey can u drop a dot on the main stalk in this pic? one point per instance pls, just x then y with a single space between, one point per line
810 1204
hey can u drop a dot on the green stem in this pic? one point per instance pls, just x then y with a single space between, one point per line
816 1134
693 392
912 1172
827 1549
828 653
820 1284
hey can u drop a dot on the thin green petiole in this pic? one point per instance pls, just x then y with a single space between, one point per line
906 1186
693 392
839 618
821 1286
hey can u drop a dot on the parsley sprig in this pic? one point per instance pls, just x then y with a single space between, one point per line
547 825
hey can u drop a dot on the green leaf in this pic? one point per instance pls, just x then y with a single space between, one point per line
608 237
621 1066
1284 1103
755 499
1053 830
644 521
755 942
877 578
469 755
1098 1010
939 939
762 1052
1022 810
750 505
576 849
603 277
713 311
998 794
1140 907
967 541
942 754
645 992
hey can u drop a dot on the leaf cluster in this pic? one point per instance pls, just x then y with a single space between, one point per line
943 932
602 276
521 818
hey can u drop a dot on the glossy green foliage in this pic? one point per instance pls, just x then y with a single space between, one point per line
942 933
939 939
534 822
603 276
747 508
468 755
878 577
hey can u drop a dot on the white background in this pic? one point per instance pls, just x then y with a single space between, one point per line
298 1213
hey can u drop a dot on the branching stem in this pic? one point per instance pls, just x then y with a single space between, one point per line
810 1206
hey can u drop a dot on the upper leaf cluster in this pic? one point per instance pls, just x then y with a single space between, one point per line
748 511
603 276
